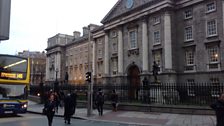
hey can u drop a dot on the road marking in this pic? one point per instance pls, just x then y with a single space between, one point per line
20 118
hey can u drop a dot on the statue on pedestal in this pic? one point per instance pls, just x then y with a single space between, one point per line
155 70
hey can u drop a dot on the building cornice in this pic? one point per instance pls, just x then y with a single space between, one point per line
138 13
184 3
98 34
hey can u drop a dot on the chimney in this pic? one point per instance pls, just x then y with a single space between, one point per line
85 31
92 26
76 34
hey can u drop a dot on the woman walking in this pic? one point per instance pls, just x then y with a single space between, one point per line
49 107
218 106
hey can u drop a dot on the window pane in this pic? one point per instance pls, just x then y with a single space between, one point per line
188 33
211 7
156 37
156 20
211 28
213 54
157 58
133 40
189 57
188 14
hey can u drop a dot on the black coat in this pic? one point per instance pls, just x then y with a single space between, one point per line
218 106
50 107
114 98
100 98
68 106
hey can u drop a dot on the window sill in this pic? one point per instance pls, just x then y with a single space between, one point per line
211 36
134 51
190 68
157 44
154 24
190 40
188 18
211 11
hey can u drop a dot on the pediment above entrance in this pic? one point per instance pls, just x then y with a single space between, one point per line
126 7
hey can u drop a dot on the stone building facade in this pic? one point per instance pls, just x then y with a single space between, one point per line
37 65
55 57
184 37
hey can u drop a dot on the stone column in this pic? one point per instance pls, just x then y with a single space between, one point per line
106 55
145 48
120 51
58 65
167 41
94 58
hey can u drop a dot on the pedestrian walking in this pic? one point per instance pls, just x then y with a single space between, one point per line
66 78
68 108
100 102
74 102
49 108
114 100
57 101
61 98
218 107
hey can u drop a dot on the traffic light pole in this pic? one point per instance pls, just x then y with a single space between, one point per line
89 102
89 82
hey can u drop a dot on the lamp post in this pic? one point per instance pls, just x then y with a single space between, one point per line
41 87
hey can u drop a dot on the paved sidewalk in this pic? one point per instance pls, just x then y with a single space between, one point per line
137 118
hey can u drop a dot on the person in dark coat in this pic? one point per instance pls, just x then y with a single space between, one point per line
74 102
57 101
49 107
114 100
100 102
68 109
218 107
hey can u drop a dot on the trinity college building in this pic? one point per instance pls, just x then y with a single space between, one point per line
184 37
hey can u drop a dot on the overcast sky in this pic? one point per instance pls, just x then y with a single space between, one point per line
34 21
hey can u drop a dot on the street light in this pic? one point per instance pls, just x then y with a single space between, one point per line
41 86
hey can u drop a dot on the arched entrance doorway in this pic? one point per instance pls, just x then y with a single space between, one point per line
134 81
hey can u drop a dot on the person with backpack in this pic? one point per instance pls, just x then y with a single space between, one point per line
100 102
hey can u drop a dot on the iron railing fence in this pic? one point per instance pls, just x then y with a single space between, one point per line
153 93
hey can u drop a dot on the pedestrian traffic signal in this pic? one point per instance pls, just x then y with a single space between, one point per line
88 76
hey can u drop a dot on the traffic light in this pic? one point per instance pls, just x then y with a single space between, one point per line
88 76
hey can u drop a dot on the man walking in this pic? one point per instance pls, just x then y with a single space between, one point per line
68 109
100 102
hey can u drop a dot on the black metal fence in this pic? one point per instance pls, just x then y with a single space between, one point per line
153 93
